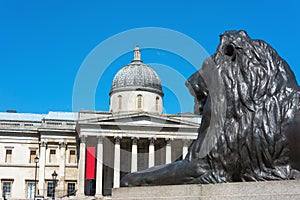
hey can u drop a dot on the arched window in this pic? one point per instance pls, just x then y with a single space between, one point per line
119 102
157 103
139 101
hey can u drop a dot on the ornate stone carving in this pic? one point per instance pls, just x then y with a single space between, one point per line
100 139
169 141
118 140
62 145
43 143
152 141
185 142
83 139
134 140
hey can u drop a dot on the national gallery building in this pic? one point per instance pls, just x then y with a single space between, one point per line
85 154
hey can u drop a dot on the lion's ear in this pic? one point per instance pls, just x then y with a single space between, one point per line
243 33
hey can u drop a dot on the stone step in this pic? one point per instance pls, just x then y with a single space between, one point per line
233 191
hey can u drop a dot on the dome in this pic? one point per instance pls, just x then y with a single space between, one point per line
136 76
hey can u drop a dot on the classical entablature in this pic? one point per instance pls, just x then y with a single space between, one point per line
140 124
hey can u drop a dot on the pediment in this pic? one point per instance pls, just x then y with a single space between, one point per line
145 120
141 119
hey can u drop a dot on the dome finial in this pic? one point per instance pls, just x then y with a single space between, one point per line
137 53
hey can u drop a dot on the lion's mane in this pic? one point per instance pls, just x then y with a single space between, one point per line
262 99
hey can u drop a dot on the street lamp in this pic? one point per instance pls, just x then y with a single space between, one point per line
54 176
36 160
4 193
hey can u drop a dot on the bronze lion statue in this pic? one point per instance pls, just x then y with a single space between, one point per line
250 102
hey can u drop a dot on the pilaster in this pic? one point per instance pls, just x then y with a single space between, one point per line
42 162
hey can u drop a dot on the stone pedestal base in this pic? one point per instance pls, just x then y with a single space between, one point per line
281 190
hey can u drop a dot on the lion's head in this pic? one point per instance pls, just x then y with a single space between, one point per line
249 98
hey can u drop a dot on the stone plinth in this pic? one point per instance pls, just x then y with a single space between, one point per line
280 190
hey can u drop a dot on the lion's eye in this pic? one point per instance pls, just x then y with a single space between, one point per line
229 50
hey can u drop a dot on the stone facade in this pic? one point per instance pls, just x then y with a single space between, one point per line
51 137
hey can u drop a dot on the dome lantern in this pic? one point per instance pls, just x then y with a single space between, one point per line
137 54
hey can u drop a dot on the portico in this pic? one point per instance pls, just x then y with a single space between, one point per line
138 145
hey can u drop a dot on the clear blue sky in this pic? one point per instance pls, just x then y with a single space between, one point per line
44 43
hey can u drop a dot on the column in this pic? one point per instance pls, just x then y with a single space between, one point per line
81 166
185 148
42 161
151 153
168 151
134 153
117 163
62 165
99 175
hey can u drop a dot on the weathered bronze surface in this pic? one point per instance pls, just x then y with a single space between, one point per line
250 131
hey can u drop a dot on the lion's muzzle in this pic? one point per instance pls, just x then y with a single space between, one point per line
198 90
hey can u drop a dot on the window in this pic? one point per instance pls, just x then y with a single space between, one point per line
71 189
157 103
30 190
119 102
139 101
32 156
8 155
72 158
52 157
6 189
50 189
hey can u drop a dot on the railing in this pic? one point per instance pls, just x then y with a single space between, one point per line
12 123
58 194
59 123
36 124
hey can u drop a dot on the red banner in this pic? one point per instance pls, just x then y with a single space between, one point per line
90 163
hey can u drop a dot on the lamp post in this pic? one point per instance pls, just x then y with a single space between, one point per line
54 175
36 160
4 193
